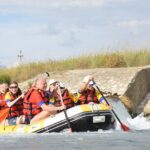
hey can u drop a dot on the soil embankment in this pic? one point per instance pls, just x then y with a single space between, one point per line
132 84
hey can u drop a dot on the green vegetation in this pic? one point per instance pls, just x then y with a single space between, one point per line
127 58
5 79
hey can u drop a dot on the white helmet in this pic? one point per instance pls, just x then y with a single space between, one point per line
61 85
52 81
91 83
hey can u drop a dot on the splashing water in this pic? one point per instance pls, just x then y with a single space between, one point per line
140 122
137 123
121 112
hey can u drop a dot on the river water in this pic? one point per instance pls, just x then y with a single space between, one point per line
102 140
136 139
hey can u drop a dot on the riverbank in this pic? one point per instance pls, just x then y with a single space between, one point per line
130 85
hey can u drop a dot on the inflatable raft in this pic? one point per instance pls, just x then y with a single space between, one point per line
88 117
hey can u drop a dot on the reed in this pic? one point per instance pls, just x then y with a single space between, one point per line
113 59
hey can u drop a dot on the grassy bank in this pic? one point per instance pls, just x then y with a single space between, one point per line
129 58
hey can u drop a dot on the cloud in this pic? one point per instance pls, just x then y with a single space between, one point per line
32 7
5 10
134 23
121 1
53 3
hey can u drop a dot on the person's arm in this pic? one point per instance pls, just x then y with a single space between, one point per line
85 83
52 108
83 86
40 102
11 103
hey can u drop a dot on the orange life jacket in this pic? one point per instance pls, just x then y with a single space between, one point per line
30 109
17 109
88 96
2 101
66 99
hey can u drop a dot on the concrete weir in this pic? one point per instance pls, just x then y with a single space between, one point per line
130 84
138 89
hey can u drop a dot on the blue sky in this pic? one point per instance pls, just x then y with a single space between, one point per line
57 29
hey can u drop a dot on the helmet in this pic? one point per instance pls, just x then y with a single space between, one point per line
52 81
61 85
91 83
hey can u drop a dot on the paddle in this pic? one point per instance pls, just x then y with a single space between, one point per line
5 112
66 116
123 126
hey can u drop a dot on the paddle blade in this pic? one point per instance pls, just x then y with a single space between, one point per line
3 114
124 127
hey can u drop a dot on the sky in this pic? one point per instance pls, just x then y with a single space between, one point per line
59 29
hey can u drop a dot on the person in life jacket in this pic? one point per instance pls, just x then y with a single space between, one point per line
3 90
87 93
52 90
35 103
68 98
16 109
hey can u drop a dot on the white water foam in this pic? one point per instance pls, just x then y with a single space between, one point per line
140 123
137 123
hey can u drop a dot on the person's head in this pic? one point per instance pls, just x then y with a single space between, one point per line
62 87
53 85
4 87
91 85
40 84
13 87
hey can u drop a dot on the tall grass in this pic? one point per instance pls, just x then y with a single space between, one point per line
126 58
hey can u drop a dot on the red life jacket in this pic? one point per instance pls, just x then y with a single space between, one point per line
88 96
30 109
17 109
2 101
66 99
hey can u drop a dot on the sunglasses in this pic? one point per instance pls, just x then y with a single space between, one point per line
13 87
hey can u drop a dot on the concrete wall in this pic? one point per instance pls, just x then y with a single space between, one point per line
138 88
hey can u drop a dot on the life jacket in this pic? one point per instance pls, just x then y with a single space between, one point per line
68 102
17 109
30 109
88 96
3 104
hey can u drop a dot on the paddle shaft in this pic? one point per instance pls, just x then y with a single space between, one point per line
14 101
66 116
4 113
108 103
